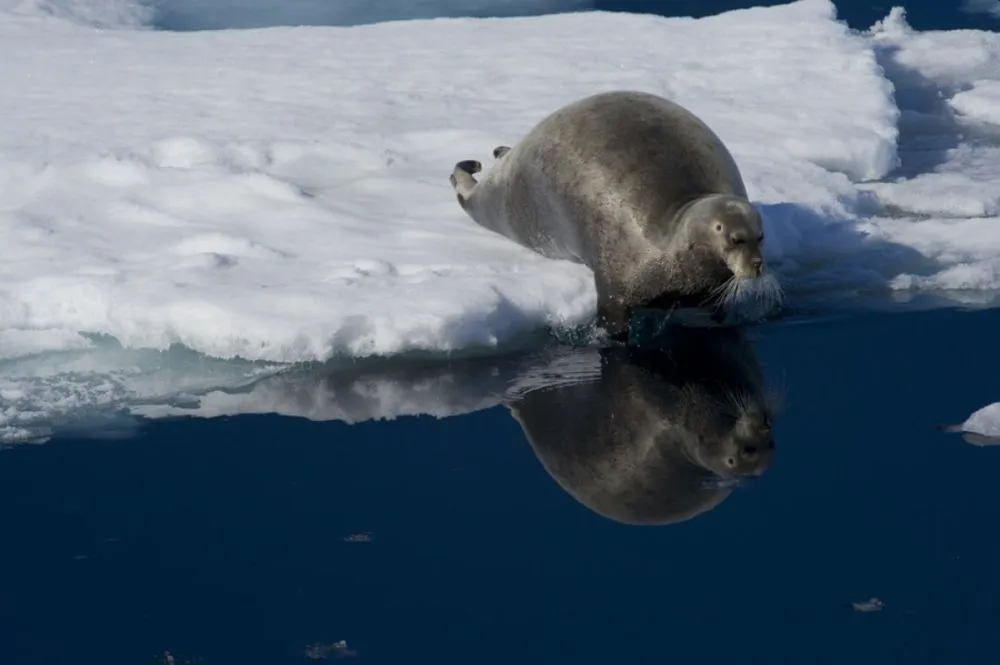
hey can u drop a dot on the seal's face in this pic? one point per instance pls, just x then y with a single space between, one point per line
728 232
745 450
751 445
738 236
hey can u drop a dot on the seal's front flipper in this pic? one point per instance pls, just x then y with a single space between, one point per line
614 321
698 317
469 166
500 151
462 180
612 315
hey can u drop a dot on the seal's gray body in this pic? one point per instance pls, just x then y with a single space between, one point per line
611 181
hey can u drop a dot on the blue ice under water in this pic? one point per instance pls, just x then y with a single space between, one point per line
185 15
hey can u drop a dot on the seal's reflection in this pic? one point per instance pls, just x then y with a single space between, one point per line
650 435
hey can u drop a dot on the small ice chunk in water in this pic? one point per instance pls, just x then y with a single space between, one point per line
873 604
982 428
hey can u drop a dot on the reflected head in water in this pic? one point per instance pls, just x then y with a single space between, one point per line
650 435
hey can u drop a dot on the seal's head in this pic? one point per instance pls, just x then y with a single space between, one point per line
751 444
745 450
730 229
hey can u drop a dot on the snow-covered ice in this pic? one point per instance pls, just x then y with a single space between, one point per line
980 102
187 211
944 201
982 428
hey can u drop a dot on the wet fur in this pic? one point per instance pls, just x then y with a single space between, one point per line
630 185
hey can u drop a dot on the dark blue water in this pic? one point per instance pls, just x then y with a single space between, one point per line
246 540
225 539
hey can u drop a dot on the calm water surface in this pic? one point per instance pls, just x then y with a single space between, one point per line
230 540
246 540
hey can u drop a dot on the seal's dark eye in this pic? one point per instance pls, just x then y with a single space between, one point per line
718 227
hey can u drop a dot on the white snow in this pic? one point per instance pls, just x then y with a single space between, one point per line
983 425
281 195
980 102
945 203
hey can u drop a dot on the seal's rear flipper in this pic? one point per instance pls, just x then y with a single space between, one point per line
462 180
500 151
470 166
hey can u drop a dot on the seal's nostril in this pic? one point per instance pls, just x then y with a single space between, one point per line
758 265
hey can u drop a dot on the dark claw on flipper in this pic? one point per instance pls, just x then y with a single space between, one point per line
470 166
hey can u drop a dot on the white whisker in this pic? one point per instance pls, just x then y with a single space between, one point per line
775 395
752 298
717 294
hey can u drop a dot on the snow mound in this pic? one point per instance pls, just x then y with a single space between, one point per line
944 200
981 102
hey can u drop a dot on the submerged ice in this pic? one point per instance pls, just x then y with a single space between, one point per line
187 15
984 6
281 195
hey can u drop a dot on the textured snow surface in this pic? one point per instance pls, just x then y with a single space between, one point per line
281 195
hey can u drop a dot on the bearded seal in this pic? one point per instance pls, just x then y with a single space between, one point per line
650 435
641 191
